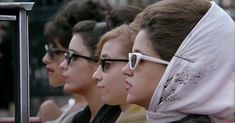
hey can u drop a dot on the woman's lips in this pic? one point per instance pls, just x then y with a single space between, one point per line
50 70
65 78
101 89
99 86
128 85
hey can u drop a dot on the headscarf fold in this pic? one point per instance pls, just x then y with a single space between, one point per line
200 77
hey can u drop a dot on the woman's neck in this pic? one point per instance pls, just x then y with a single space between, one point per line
80 100
124 107
94 101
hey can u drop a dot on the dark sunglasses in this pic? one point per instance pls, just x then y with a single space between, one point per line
71 55
105 63
134 59
53 52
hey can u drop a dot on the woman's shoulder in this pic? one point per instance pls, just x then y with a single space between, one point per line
134 114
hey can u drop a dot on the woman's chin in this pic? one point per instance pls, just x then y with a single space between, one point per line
68 88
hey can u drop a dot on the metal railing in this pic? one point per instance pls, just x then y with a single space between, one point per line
18 11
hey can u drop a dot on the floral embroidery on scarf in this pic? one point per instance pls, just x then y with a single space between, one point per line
189 76
166 95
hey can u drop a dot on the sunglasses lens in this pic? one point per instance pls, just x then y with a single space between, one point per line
133 60
102 65
50 53
105 65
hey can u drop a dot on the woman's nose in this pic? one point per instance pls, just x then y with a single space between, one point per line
63 65
46 59
96 75
126 70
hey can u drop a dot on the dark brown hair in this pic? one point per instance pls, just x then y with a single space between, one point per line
90 31
168 22
62 23
122 15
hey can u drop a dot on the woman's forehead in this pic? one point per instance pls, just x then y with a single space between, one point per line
78 45
113 47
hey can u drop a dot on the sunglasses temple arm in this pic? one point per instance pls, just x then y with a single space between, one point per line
156 60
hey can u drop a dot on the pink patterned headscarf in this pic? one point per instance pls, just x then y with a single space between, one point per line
200 77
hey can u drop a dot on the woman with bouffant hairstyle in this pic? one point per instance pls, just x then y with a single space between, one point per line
57 33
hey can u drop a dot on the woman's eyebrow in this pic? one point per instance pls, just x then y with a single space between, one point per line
74 51
139 51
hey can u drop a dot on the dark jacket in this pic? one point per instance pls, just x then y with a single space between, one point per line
194 119
107 114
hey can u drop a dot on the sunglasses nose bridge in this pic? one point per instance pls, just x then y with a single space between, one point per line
129 60
50 54
68 56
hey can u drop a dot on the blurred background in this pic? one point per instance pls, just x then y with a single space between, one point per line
39 86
